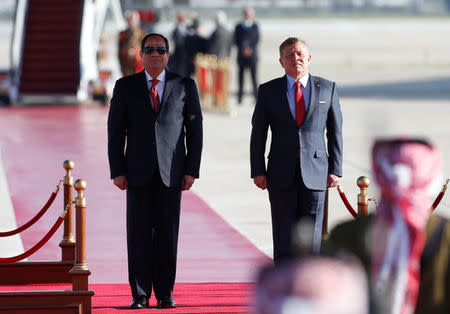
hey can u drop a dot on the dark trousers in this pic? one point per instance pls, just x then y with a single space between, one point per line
153 216
292 205
243 64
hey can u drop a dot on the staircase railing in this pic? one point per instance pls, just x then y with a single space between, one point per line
94 16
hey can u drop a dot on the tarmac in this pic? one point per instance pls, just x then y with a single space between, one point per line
393 76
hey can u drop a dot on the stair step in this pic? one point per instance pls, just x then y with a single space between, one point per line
68 8
44 67
56 52
49 86
39 36
57 29
44 76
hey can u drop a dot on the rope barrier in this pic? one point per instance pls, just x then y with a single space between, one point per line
346 202
35 218
354 214
440 195
37 246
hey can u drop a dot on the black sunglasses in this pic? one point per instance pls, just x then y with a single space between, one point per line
149 50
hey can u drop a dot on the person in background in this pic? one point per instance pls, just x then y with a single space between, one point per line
129 45
221 39
178 62
246 39
195 43
405 249
155 137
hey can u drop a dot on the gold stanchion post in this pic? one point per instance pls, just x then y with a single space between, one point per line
211 65
325 218
80 270
223 77
363 200
67 243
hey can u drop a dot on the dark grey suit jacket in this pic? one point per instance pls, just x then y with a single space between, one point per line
220 42
138 137
317 159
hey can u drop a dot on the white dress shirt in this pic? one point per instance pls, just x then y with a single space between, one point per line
160 86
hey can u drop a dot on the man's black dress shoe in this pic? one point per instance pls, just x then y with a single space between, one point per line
140 302
166 304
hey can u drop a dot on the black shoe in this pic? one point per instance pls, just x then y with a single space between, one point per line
140 302
166 304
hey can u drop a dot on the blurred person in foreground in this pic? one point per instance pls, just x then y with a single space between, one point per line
313 285
154 147
404 248
130 45
179 59
246 39
300 109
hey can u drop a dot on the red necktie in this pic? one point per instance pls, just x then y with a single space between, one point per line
154 95
299 104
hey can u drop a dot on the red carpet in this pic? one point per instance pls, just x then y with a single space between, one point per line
213 255
190 298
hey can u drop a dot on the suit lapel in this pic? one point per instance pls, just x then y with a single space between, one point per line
285 102
315 89
144 87
170 79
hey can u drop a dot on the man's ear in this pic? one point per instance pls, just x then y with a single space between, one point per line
281 62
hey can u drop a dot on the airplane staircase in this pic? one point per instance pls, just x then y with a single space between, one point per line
50 65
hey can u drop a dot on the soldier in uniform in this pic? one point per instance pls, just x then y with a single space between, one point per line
130 45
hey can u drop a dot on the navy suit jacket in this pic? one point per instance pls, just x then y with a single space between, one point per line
138 137
317 159
246 37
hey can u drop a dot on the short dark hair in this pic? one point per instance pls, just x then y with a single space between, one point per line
166 41
291 41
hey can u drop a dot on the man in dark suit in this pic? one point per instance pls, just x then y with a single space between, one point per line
221 39
297 107
154 149
246 38
195 43
178 62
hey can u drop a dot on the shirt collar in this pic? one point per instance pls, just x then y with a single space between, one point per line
247 23
161 77
303 80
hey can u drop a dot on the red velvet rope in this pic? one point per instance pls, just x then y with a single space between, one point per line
9 260
346 202
35 218
440 196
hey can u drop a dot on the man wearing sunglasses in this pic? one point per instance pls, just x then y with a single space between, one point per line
154 148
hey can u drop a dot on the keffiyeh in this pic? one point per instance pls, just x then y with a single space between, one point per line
404 170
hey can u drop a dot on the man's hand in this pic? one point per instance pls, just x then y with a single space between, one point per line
332 180
121 182
187 182
260 181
